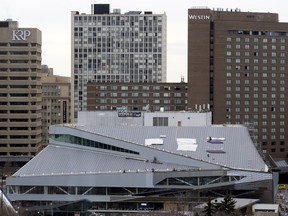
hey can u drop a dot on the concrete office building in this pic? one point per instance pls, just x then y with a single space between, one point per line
114 47
56 101
137 96
237 63
20 97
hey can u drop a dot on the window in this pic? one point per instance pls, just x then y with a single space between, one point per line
103 87
160 121
156 87
177 94
145 88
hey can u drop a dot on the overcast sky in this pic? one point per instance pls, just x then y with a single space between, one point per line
53 19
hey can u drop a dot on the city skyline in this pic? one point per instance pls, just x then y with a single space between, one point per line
55 16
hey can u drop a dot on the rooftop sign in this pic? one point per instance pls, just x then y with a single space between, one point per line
198 17
20 34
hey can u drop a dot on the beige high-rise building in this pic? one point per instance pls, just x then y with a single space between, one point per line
56 97
20 94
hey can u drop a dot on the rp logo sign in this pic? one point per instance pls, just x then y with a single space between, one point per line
20 34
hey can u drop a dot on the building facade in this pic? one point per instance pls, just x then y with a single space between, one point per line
237 63
119 165
56 101
114 47
20 97
137 96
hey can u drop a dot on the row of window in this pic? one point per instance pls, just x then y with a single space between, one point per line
256 88
256 82
146 88
255 39
255 47
144 94
20 44
16 61
256 109
255 95
25 53
255 102
108 18
255 116
126 101
247 53
256 61
151 107
2 69
90 143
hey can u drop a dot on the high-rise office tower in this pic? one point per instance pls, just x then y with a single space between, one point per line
115 47
20 94
237 63
56 101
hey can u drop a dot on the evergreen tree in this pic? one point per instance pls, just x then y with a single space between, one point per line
227 206
209 209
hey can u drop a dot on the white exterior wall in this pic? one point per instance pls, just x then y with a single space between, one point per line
107 118
180 118
110 118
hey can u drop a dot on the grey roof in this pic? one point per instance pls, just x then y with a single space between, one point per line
238 150
57 160
240 153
